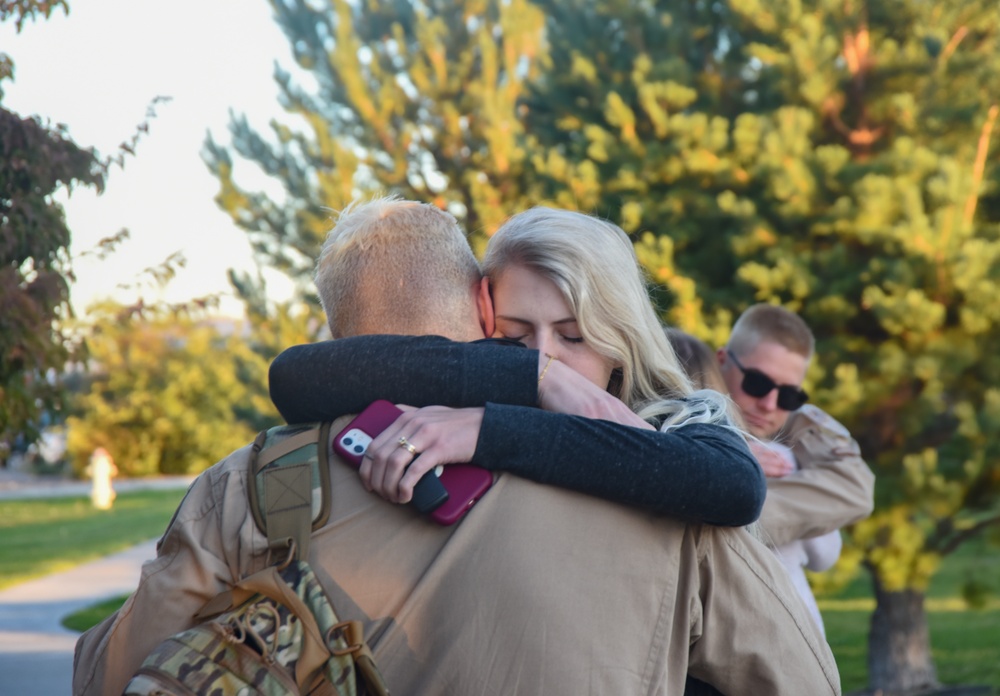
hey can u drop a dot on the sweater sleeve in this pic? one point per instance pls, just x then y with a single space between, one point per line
326 380
698 473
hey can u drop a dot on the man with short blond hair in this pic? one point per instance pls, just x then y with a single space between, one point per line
764 365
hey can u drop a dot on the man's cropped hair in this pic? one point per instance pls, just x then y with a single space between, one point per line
390 258
770 323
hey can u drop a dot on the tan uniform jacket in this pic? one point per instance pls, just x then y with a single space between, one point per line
833 487
537 591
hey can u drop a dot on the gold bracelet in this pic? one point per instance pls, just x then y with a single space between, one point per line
546 368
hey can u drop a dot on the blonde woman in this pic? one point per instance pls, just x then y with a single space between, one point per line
568 286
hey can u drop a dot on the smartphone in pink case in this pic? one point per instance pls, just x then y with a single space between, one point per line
352 442
445 494
466 484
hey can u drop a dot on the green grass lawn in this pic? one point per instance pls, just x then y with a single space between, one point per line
43 536
966 645
81 620
965 641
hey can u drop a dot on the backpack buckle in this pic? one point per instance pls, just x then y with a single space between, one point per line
352 632
286 546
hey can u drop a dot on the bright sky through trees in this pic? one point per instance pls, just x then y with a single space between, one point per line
96 70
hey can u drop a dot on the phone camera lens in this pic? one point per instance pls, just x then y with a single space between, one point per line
358 449
347 442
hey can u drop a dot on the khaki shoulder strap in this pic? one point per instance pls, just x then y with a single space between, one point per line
289 485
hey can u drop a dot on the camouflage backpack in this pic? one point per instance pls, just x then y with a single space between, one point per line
276 631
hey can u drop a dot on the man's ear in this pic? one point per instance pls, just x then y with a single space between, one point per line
720 356
487 317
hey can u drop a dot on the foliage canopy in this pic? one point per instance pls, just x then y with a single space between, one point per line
36 161
166 394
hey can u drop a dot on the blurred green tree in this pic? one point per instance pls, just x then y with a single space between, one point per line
168 393
834 156
418 99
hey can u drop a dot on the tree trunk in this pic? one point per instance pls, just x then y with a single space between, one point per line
899 646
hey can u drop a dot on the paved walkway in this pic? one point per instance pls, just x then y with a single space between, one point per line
14 484
36 652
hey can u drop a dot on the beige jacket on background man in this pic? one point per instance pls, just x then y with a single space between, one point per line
833 487
537 591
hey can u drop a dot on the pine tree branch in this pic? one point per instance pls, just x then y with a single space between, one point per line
953 42
857 56
980 166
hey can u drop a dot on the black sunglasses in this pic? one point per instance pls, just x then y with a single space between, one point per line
757 384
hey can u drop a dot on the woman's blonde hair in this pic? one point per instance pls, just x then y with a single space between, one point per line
593 263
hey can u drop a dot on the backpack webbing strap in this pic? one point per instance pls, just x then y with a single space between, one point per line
288 505
279 450
288 490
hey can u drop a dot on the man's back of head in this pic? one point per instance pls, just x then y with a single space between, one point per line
395 266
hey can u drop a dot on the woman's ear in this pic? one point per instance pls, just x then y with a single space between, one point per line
487 317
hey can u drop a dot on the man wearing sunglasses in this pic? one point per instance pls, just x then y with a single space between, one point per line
764 365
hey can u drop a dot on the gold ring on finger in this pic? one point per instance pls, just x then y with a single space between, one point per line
407 445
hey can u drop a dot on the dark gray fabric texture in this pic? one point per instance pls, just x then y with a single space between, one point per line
698 473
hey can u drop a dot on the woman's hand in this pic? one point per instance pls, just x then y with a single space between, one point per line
564 390
441 436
